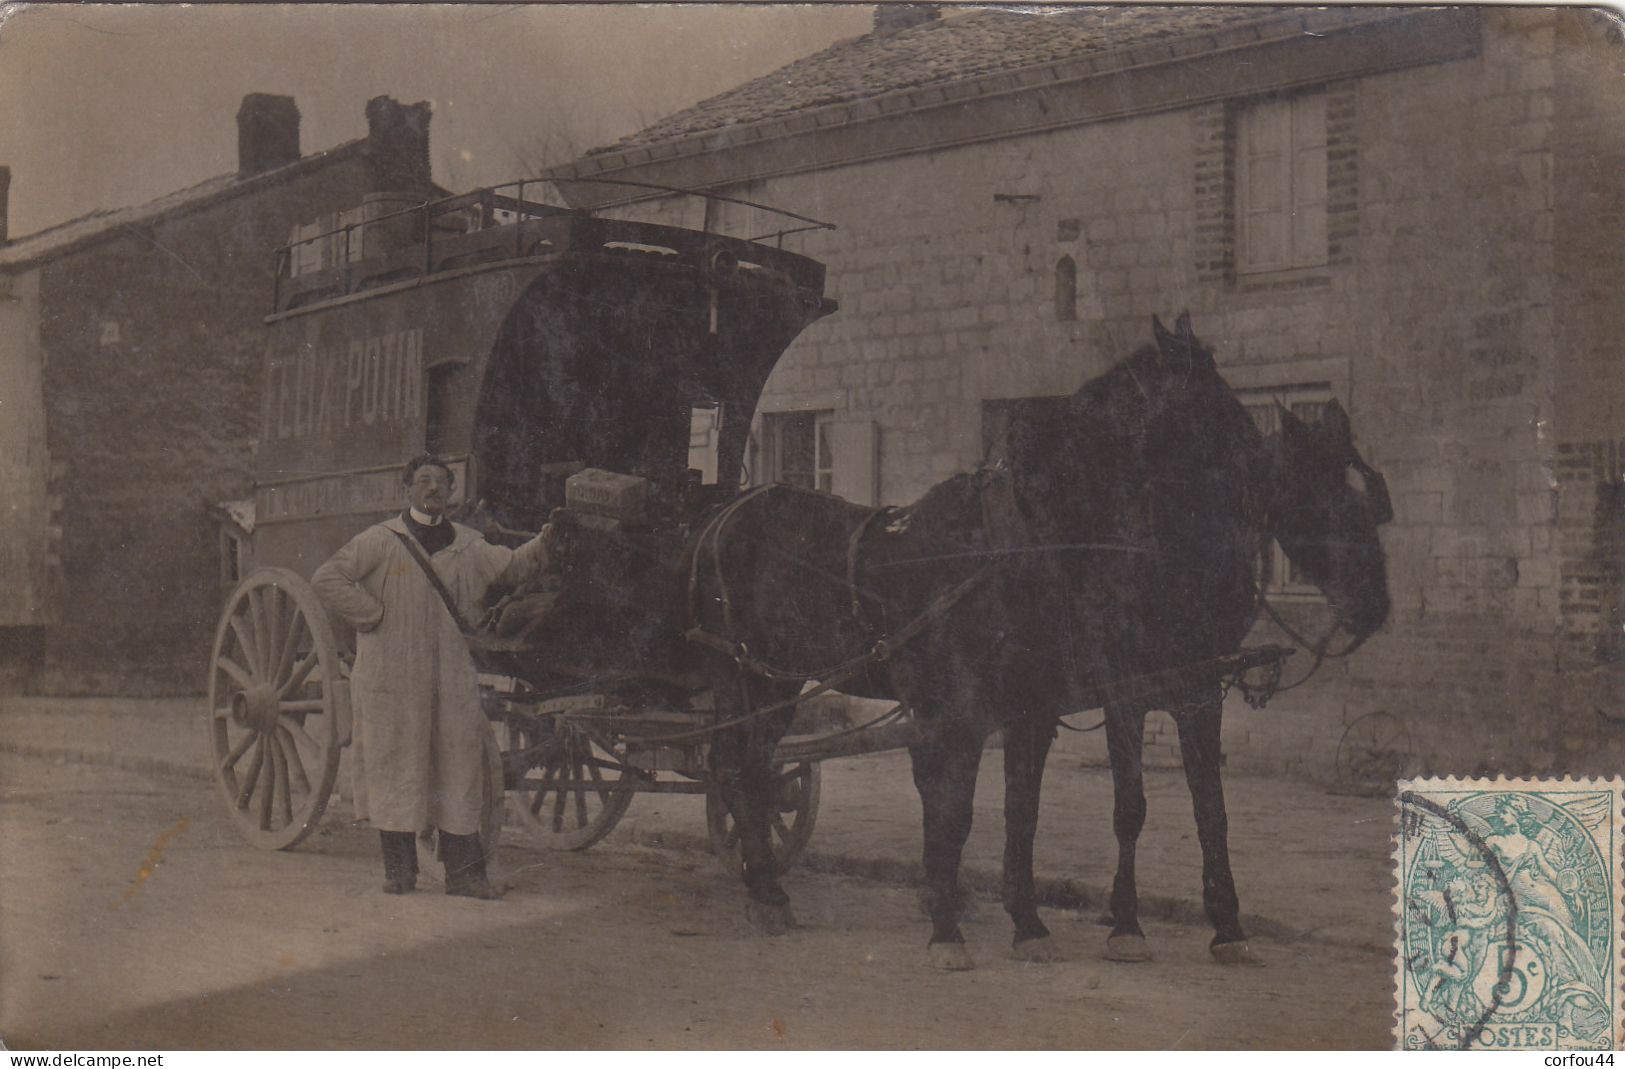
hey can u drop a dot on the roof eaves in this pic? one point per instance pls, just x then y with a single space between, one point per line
919 97
104 223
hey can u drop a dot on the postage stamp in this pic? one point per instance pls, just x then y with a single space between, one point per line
1508 914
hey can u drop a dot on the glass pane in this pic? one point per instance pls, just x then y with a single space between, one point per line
1309 121
1309 411
1266 239
1309 176
1309 235
793 436
1266 184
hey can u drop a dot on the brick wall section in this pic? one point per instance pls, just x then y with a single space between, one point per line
151 429
1588 223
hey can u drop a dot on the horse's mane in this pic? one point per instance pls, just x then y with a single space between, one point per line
1150 416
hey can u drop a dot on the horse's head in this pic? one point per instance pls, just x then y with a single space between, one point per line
1325 505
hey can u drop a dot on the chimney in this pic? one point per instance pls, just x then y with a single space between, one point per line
398 145
892 19
267 133
5 203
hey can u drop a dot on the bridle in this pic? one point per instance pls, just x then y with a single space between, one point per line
1382 511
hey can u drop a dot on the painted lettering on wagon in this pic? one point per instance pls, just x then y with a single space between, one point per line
363 382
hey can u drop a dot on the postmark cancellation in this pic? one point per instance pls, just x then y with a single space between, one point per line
1508 914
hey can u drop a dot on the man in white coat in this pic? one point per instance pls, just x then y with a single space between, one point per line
420 735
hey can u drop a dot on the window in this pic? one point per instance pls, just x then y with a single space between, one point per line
1308 402
1066 290
796 449
1281 184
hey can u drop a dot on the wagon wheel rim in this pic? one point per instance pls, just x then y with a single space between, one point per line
274 708
1372 752
792 819
570 816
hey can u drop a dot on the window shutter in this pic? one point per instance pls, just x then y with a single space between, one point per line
1266 137
854 448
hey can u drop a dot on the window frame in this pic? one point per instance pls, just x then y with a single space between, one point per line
772 451
1303 185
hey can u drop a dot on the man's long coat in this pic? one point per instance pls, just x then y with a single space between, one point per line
419 739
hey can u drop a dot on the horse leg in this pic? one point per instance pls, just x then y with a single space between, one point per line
1199 734
1125 739
1026 745
742 766
945 775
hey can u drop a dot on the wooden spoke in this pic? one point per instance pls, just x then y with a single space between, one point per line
285 651
246 791
239 675
267 786
245 641
581 804
281 782
541 793
297 731
558 809
237 751
296 764
301 672
598 778
274 642
262 636
791 814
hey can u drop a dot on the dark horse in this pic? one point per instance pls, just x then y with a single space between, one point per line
1123 542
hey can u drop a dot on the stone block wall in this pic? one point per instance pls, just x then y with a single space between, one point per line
1461 195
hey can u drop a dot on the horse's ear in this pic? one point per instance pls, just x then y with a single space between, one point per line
1183 326
1160 332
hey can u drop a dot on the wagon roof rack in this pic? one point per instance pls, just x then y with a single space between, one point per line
482 226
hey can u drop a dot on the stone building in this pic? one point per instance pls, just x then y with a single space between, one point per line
1418 212
130 352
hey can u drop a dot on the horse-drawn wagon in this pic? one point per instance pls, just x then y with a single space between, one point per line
600 375
598 372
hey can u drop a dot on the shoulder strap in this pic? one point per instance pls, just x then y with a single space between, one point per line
433 576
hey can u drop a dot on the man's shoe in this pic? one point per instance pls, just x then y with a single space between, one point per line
400 851
464 859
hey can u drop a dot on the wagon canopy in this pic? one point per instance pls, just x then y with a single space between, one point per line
520 339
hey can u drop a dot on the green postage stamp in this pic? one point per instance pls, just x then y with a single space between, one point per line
1509 914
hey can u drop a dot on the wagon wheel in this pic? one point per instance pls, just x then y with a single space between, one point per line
1372 754
276 698
793 816
491 807
572 752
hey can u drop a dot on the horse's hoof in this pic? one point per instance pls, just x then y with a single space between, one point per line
1041 950
951 956
1237 953
1127 947
770 919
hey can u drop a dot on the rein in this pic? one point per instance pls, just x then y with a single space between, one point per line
1002 524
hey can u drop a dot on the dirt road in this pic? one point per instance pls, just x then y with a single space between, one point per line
131 916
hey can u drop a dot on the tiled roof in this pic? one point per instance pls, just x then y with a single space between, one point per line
956 47
103 222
